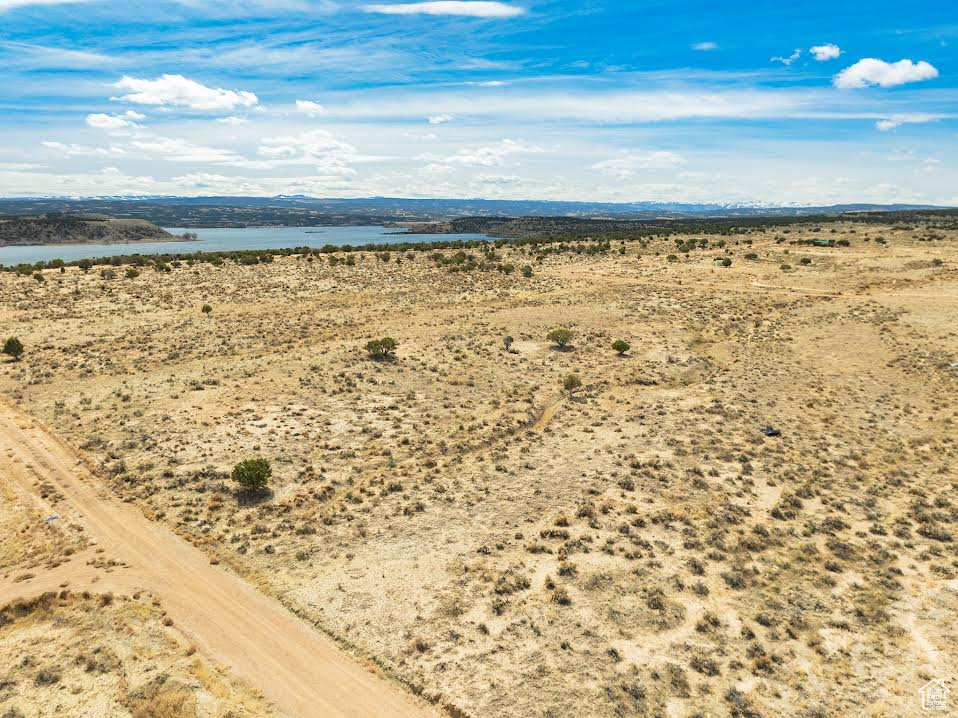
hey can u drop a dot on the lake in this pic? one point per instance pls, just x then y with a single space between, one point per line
226 239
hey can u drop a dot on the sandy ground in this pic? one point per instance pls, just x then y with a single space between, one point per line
90 655
502 549
256 638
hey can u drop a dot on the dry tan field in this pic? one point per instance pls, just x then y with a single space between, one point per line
495 544
93 655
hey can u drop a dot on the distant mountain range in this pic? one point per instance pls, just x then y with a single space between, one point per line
303 211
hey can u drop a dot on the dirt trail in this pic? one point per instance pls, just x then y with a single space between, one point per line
301 671
548 414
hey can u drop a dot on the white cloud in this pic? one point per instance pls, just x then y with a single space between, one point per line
310 108
309 145
494 179
218 184
440 119
74 150
627 166
10 4
23 54
600 107
870 71
211 5
916 163
449 7
790 59
18 166
114 181
176 150
826 52
436 168
492 155
317 148
109 180
180 91
232 120
148 146
898 120
114 122
705 46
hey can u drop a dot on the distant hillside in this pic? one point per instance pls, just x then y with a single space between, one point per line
310 211
581 227
77 229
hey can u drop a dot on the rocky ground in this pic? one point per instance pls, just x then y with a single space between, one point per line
504 547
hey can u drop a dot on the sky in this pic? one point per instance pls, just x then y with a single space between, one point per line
742 101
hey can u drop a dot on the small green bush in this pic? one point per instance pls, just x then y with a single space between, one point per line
571 383
527 271
252 474
207 309
560 336
621 346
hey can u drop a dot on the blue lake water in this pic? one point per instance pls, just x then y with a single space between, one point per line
228 239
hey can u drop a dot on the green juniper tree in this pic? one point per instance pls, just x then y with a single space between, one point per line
13 348
252 474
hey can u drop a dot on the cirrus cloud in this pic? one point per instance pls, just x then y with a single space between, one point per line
898 120
11 4
449 7
179 91
871 71
627 166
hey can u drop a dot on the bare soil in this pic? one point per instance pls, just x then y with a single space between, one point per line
502 548
255 637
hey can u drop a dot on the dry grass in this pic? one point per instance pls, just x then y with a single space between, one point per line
89 655
27 539
635 546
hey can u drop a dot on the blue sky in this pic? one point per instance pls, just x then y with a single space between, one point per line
787 103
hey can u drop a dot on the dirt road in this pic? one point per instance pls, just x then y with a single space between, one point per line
301 671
